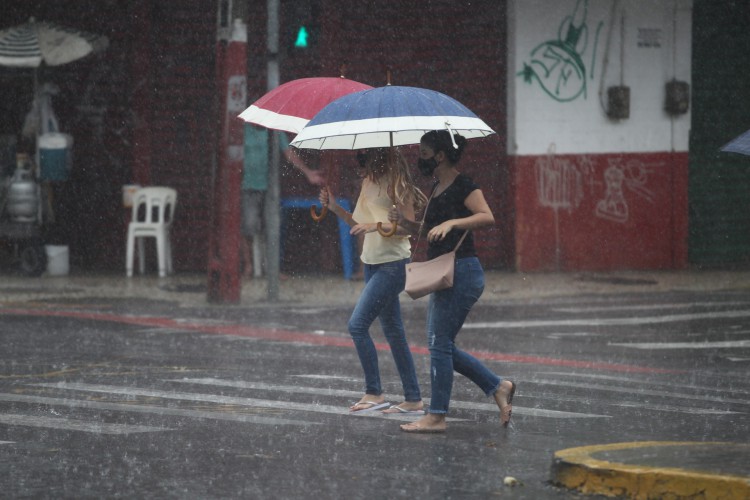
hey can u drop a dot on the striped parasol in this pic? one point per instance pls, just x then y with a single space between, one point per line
33 43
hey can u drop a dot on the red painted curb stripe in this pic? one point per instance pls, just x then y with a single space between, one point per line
279 335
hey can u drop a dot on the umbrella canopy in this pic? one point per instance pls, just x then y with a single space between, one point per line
388 116
290 106
740 144
32 43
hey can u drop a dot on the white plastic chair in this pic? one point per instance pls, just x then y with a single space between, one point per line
153 212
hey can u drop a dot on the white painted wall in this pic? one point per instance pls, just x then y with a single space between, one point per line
612 47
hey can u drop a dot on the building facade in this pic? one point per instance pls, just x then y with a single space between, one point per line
594 104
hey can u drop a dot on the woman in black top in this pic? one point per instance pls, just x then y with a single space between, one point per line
457 205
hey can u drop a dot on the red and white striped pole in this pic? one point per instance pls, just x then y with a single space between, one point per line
224 284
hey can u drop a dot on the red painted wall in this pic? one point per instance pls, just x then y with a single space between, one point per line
601 212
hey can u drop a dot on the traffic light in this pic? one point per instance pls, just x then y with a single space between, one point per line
301 42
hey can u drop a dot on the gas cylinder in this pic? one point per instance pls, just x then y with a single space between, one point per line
22 198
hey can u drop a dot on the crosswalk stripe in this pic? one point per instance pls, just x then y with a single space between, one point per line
646 307
191 396
242 384
519 410
722 344
75 425
639 391
667 318
536 412
159 410
672 409
630 380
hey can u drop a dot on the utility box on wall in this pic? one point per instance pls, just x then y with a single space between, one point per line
677 101
618 102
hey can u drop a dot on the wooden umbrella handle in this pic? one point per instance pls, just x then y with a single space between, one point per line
315 216
387 234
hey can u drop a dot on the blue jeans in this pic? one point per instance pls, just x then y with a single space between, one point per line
445 317
379 299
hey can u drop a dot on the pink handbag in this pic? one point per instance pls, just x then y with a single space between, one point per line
423 278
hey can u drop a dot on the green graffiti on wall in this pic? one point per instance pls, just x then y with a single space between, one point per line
557 65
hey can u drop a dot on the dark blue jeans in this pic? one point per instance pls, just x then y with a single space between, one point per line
379 299
446 314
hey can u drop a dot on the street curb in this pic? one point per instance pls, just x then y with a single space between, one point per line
577 468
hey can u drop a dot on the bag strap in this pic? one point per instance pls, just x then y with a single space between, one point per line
421 225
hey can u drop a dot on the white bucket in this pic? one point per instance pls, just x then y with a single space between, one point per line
57 260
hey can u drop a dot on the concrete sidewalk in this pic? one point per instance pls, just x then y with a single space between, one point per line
189 290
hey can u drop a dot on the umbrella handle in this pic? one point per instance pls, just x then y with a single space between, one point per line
315 216
387 234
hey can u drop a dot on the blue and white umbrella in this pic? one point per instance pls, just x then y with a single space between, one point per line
33 43
740 144
387 116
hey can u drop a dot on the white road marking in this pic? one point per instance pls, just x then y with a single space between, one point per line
668 318
673 409
192 396
7 442
518 410
293 389
69 424
537 412
158 410
327 377
645 307
721 344
229 400
636 390
561 335
630 380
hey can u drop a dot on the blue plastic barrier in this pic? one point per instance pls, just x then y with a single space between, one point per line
347 242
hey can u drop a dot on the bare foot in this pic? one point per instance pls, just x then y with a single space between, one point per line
406 407
367 402
504 397
430 423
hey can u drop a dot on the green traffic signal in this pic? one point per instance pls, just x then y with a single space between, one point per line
302 36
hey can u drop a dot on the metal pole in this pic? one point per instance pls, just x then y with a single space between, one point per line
272 201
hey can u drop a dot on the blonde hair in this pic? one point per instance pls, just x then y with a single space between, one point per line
389 163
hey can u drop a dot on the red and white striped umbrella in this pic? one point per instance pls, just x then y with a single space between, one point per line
291 105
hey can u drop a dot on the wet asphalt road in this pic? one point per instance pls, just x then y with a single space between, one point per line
141 398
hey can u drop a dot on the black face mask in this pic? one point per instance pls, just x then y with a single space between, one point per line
427 167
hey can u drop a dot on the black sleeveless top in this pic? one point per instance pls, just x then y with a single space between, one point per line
450 205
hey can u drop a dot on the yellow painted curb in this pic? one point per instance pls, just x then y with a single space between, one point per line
575 468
